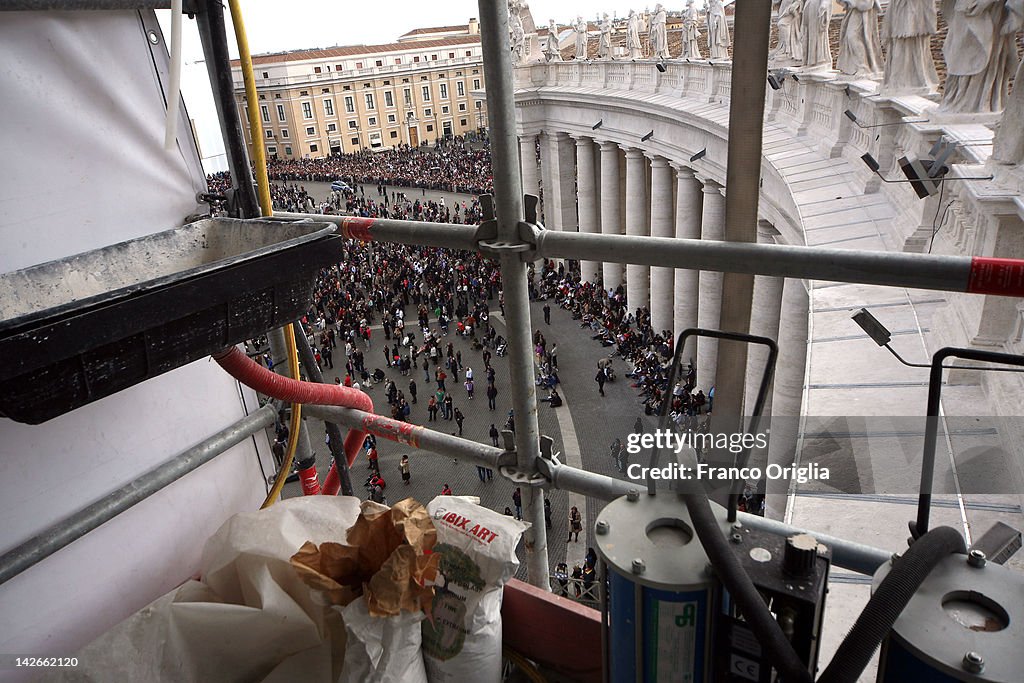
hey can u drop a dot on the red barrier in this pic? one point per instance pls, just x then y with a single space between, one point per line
1002 276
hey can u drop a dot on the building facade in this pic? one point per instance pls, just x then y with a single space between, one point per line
314 103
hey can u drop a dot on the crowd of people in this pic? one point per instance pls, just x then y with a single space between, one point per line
449 165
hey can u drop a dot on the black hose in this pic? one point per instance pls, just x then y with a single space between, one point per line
743 592
335 442
885 606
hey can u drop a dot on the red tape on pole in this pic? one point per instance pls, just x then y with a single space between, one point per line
1002 276
357 228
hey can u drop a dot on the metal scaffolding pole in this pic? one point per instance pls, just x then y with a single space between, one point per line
508 196
742 191
975 275
63 533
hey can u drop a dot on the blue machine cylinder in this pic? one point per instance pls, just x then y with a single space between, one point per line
660 591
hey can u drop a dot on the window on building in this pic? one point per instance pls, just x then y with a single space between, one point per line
369 101
263 97
265 113
451 55
372 121
304 93
317 70
277 96
444 91
332 127
284 132
426 93
359 65
423 78
405 80
462 122
416 59
428 112
272 151
476 71
392 118
394 134
407 95
387 82
346 87
246 117
469 53
310 130
367 85
444 109
266 75
462 106
288 151
398 60
338 67
307 110
476 84
433 58
350 105
355 141
430 128
389 99
280 113
379 62
269 133
329 107
313 147
460 89
352 125
325 90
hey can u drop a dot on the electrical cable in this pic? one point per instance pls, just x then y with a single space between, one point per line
888 601
267 210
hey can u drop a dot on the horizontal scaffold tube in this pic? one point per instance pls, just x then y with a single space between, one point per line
253 375
975 275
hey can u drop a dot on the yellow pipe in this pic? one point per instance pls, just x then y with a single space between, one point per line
266 209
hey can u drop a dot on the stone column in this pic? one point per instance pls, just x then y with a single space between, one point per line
661 226
689 204
638 287
528 161
764 322
565 180
611 209
709 312
788 394
586 183
549 171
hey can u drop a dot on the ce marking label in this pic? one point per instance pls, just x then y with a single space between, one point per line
744 668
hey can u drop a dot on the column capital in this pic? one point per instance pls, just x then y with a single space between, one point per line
634 153
658 161
683 172
711 186
582 140
560 135
607 146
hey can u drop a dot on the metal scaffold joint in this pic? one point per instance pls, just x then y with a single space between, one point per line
527 231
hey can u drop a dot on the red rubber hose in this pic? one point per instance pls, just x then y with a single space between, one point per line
255 376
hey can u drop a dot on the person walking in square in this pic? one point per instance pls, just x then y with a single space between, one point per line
600 379
517 500
575 524
492 395
547 314
403 467
412 389
493 433
459 419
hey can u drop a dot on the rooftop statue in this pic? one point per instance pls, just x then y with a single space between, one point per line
531 48
691 31
581 38
517 38
907 30
789 49
860 51
604 47
551 53
718 31
633 36
815 19
659 33
1008 145
980 53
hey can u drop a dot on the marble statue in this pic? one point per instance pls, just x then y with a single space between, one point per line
604 47
517 37
691 31
980 52
633 36
718 31
531 47
860 51
581 38
907 30
551 53
816 17
1008 144
659 33
789 48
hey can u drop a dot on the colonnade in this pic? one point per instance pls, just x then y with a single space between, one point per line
595 185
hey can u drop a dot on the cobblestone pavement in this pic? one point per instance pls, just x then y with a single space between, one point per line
596 422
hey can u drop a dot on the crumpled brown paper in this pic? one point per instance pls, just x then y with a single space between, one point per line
386 557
